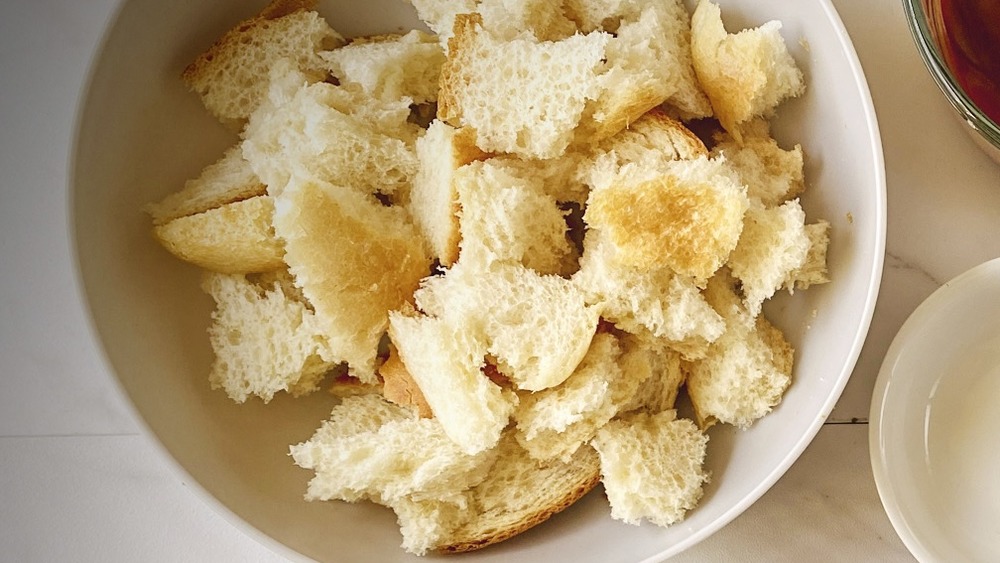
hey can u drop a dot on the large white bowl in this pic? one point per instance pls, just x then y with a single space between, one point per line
141 134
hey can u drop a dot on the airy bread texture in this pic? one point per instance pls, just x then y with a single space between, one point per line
554 423
434 204
657 303
507 217
501 510
688 219
774 244
446 362
652 467
502 250
484 73
227 180
359 455
746 371
496 509
406 66
251 359
355 261
537 327
231 76
319 131
746 74
236 238
772 175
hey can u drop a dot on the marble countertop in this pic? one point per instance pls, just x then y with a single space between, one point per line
79 481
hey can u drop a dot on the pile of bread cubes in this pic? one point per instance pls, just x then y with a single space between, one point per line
501 246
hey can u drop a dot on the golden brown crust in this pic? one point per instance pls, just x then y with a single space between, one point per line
690 227
276 9
577 478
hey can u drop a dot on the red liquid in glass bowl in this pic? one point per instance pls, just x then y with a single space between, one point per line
968 36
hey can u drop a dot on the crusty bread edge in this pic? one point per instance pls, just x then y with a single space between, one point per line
583 486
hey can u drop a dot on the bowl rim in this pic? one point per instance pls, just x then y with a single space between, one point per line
916 19
931 318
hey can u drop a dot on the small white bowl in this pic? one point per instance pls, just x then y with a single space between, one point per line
935 419
142 134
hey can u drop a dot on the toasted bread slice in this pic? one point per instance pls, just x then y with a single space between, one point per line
236 238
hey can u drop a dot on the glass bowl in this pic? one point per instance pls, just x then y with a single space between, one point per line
926 21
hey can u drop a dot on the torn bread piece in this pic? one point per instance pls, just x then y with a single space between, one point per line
406 66
772 175
355 261
229 179
773 245
550 83
446 360
746 74
496 509
746 371
265 341
434 204
332 134
507 217
236 238
545 20
652 467
537 327
439 15
688 219
371 450
663 377
666 306
502 512
641 151
232 75
555 422
814 270
651 36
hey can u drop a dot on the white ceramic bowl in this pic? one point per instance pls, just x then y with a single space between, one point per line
141 134
934 421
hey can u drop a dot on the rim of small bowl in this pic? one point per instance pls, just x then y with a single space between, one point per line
916 18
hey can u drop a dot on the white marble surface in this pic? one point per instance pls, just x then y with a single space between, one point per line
80 482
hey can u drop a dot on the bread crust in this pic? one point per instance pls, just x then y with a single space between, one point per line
581 476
